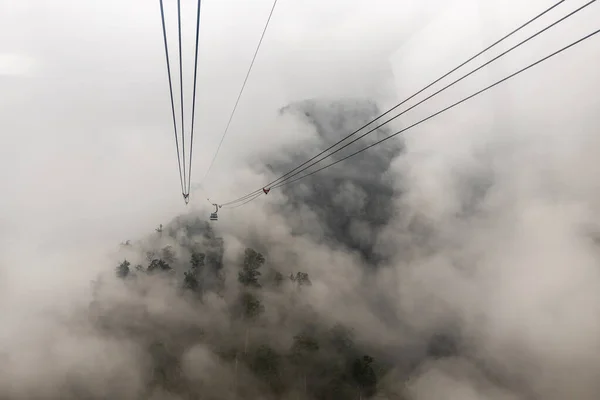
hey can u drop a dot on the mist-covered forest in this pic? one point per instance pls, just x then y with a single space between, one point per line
364 281
458 260
266 342
244 327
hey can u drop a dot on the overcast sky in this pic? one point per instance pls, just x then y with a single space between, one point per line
87 155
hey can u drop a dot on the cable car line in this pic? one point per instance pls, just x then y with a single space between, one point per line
276 181
405 100
447 108
241 91
194 96
256 196
181 88
446 87
185 181
162 15
588 36
399 104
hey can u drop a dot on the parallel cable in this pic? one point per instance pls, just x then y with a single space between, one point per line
162 15
181 87
446 87
241 91
256 196
402 102
194 97
445 109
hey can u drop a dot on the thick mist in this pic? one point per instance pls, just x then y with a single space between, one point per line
463 256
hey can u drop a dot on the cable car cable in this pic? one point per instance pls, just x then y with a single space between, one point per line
446 87
256 196
181 87
162 15
240 93
194 97
447 108
405 100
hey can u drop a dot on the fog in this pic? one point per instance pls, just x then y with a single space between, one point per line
480 224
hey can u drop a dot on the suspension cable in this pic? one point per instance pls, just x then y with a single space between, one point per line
447 86
181 88
256 196
402 102
164 29
447 108
240 93
194 97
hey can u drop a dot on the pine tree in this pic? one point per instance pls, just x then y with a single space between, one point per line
191 280
266 364
249 304
364 376
168 255
278 279
302 356
301 279
249 274
198 260
123 270
158 265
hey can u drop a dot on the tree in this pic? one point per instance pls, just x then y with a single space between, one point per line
198 260
249 274
332 381
158 265
166 368
301 279
304 344
190 280
123 270
278 278
364 376
191 277
253 258
442 345
320 363
251 306
302 354
168 254
265 364
150 255
342 339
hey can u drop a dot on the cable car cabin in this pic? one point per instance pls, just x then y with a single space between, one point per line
213 217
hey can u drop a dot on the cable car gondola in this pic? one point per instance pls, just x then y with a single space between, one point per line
213 216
